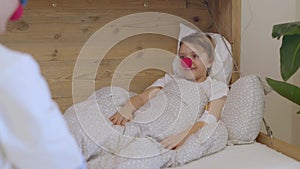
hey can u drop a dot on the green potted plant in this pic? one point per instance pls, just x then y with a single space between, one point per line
289 60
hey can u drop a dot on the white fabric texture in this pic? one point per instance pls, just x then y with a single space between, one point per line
250 156
180 111
243 110
222 65
213 88
208 118
33 134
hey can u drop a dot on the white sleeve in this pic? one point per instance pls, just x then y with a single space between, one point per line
218 89
161 82
33 133
208 118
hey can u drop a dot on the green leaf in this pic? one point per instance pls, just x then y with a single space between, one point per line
289 56
286 29
298 112
286 90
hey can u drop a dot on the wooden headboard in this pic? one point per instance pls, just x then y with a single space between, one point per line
54 32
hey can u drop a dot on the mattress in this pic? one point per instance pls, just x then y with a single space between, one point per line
250 156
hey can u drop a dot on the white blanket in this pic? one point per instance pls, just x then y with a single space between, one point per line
175 108
249 156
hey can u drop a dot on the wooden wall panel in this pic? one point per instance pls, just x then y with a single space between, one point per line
54 31
111 4
227 16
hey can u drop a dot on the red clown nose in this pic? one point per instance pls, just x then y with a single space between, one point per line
18 13
186 62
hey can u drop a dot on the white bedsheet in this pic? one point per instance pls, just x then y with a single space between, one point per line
251 156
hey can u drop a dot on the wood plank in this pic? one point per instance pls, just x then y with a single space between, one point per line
83 90
65 102
281 146
227 21
53 28
64 98
104 16
64 70
63 88
236 35
200 4
226 18
104 4
138 85
44 52
221 16
70 51
80 16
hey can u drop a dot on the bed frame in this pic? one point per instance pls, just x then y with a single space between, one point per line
54 31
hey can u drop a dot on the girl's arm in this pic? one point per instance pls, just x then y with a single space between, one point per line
134 103
215 108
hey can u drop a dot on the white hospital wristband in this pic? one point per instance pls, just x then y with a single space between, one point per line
208 118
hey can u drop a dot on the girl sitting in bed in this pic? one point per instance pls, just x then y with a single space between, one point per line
170 116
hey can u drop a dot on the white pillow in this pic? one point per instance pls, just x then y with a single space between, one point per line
243 110
222 66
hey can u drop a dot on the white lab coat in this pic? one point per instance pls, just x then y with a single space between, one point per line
33 134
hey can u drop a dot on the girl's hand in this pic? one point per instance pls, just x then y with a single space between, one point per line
119 119
174 142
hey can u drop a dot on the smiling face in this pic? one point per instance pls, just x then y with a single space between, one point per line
198 51
200 62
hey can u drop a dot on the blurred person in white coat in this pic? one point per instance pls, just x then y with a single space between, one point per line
33 134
